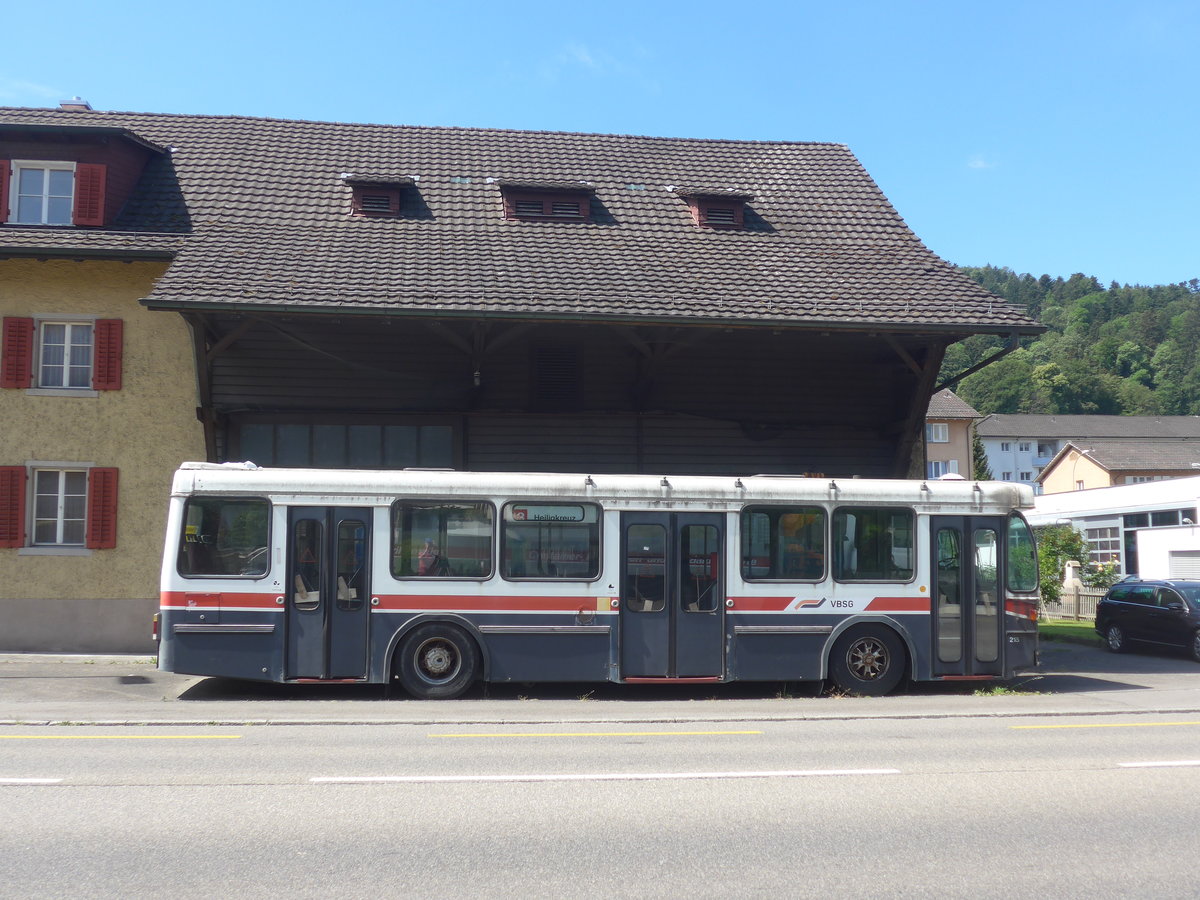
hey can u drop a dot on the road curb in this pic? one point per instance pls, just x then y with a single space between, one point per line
233 721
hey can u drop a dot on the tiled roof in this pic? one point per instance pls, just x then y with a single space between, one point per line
82 243
1142 456
946 404
1089 427
267 211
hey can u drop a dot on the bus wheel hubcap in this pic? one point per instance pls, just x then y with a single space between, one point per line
437 659
868 659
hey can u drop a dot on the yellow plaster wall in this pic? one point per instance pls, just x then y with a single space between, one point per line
145 429
958 447
1071 468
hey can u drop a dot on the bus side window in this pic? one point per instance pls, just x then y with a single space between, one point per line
442 539
783 543
224 536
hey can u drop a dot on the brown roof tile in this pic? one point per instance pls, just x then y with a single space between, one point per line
267 212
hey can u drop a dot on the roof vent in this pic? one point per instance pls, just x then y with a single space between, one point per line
76 104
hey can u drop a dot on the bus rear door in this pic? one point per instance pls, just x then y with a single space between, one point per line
672 595
327 592
967 595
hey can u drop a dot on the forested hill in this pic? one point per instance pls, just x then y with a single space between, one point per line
1121 350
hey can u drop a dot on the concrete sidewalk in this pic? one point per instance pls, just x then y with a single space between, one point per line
122 690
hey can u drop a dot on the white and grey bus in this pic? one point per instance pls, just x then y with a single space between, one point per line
436 579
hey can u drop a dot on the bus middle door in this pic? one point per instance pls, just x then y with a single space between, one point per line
327 592
672 595
967 595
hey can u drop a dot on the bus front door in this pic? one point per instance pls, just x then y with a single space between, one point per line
967 595
672 595
327 592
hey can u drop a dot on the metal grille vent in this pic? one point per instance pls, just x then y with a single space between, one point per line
376 203
557 376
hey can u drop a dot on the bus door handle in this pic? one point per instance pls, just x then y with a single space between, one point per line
729 603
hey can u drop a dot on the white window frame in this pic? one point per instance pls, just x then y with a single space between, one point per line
14 196
1005 446
39 387
1024 446
32 547
1006 476
1025 476
939 467
937 433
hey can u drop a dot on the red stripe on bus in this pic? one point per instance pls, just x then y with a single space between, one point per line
899 604
217 600
411 602
761 604
1026 609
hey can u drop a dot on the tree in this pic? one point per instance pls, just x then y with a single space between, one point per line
1057 545
980 470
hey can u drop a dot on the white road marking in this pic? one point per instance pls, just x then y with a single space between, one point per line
622 776
31 781
1158 765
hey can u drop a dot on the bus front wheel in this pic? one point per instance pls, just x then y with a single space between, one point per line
868 660
436 662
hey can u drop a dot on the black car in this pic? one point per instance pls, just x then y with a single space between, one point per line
1155 613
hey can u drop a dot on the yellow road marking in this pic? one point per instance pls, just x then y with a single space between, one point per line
1108 725
119 737
540 734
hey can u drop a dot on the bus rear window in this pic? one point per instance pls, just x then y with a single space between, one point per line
441 539
224 536
872 544
783 543
550 540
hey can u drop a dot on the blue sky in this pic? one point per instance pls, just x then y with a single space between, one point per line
1049 137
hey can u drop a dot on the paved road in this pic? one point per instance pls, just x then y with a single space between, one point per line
1074 679
583 790
895 807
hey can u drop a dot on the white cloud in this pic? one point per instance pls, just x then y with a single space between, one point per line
978 162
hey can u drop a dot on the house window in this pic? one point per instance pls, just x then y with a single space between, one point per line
338 445
1006 476
65 355
1026 476
62 354
1005 446
1046 449
1104 544
1079 485
938 468
937 433
70 507
42 192
1024 446
59 506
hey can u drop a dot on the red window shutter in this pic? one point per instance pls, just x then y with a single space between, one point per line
12 506
89 193
16 353
106 372
102 509
5 173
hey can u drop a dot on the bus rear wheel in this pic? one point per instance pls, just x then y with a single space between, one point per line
436 662
868 660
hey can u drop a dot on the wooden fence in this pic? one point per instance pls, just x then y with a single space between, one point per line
1076 603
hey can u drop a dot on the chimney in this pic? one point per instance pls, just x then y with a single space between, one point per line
76 104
